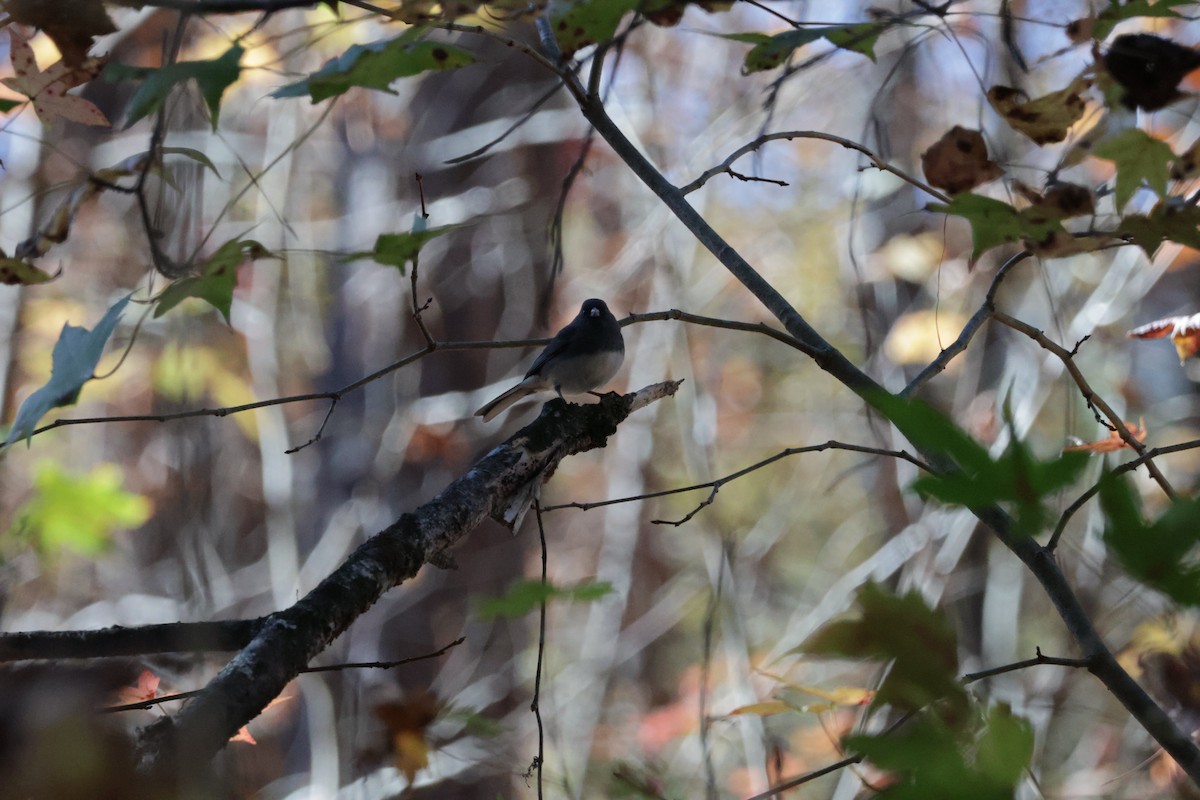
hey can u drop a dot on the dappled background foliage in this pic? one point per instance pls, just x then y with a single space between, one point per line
257 250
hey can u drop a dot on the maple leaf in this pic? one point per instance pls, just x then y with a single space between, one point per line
48 89
145 690
1113 442
1184 332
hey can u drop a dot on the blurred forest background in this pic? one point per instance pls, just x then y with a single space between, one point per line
661 687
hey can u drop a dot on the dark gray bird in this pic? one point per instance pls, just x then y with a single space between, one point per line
583 355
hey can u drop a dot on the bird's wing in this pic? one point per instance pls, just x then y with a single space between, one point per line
557 345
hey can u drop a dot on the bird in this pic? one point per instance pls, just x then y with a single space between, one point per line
585 354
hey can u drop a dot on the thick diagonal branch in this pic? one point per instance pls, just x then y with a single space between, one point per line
289 639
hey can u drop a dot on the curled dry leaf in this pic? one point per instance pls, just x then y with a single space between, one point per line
1044 119
1113 442
959 161
1060 200
1184 332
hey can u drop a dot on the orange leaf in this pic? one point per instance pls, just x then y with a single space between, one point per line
146 689
1112 442
1184 332
243 734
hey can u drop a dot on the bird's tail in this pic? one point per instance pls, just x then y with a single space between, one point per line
492 409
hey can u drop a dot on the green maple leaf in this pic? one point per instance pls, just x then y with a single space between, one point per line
213 77
1139 157
217 278
377 65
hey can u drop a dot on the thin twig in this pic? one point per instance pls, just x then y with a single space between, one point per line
509 131
714 322
169 698
1094 400
969 330
1128 466
719 482
724 166
535 704
429 348
1038 660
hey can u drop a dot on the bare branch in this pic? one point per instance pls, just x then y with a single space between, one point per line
750 147
969 330
1094 401
715 485
170 698
1128 466
1038 660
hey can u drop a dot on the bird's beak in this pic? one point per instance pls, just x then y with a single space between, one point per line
595 312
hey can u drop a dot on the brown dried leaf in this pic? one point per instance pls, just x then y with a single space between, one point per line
1060 200
959 161
1044 119
406 722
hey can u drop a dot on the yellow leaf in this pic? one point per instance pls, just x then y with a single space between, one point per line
763 709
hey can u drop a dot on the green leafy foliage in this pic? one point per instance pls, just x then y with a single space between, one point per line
1139 157
586 22
918 640
213 77
397 249
79 513
73 362
1117 11
994 222
377 65
1160 553
525 596
1017 479
7 105
770 52
933 759
1168 221
217 278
